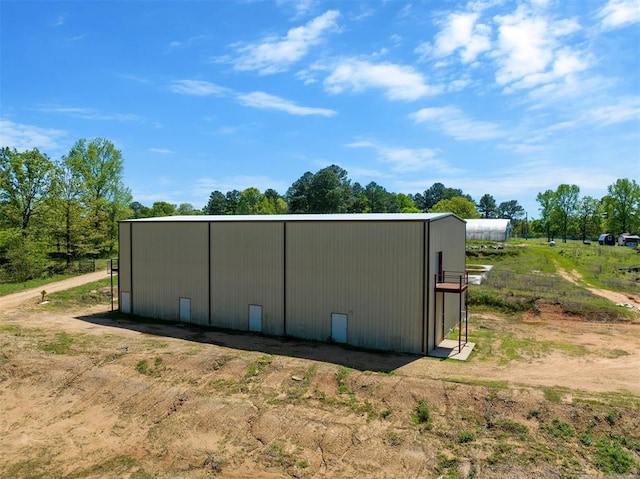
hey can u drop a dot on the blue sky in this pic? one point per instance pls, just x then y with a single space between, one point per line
509 98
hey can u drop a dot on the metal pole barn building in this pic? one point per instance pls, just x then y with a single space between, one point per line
374 281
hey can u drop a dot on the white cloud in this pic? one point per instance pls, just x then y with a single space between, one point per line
26 137
406 160
275 54
90 113
626 109
162 151
531 51
399 82
620 13
453 122
175 44
197 88
266 101
460 32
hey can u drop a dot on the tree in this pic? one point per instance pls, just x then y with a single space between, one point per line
459 205
588 217
327 191
68 224
136 207
187 209
249 201
25 187
546 201
378 199
487 206
622 206
510 209
565 203
162 208
436 193
99 166
406 204
217 204
25 184
233 199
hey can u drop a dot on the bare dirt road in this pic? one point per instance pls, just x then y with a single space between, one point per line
34 294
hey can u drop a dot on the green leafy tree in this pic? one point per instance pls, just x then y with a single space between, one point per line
487 206
327 191
25 184
187 209
622 206
406 204
25 188
436 193
99 166
547 220
233 200
461 206
510 210
68 221
217 204
565 205
588 217
379 200
162 208
249 201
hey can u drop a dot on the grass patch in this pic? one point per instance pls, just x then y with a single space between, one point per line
421 415
560 429
143 367
87 294
612 458
61 344
254 368
341 378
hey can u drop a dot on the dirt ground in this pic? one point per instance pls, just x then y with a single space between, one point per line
87 394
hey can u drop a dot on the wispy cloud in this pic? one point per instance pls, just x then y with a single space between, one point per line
266 101
178 44
162 151
276 54
625 109
620 13
90 113
198 88
453 122
399 82
58 22
406 160
26 137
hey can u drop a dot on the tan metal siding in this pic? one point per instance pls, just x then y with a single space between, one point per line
170 262
124 259
371 271
447 235
247 268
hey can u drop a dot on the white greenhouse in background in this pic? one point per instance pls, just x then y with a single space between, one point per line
489 229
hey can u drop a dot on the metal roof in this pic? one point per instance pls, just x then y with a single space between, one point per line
304 217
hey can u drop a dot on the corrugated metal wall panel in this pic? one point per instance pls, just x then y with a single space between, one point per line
371 271
247 268
124 262
447 235
170 262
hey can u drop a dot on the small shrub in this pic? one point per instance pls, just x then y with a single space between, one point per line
613 458
421 415
534 413
466 436
385 414
560 429
393 439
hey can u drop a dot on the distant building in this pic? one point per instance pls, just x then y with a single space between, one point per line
391 282
489 229
626 239
607 239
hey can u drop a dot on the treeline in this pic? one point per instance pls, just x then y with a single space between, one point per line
53 212
565 213
67 209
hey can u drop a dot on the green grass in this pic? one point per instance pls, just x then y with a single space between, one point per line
87 294
10 288
525 274
61 344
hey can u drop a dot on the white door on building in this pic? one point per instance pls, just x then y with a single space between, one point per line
255 318
125 302
185 310
339 327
